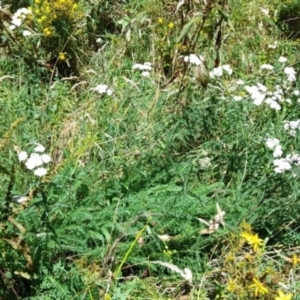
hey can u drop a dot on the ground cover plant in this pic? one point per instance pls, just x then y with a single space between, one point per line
149 150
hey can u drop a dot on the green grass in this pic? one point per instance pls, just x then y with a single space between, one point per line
132 172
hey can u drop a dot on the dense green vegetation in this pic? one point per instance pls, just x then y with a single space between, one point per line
149 149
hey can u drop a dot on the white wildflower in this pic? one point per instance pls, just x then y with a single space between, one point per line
288 100
143 67
266 67
227 68
237 98
256 95
273 103
109 92
294 158
46 158
39 148
103 89
282 59
273 46
216 72
281 165
26 33
296 92
265 11
22 155
272 143
145 73
40 172
137 66
292 126
194 59
277 151
204 162
291 73
16 22
261 87
240 82
22 11
33 161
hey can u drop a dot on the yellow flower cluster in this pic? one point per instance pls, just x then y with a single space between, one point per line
161 21
48 14
259 287
250 238
253 240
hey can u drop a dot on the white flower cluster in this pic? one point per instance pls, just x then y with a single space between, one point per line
292 126
103 89
36 160
291 73
259 94
18 19
282 164
274 144
266 67
145 68
282 59
194 59
265 11
219 71
273 46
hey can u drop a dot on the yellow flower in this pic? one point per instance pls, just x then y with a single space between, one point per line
171 25
47 32
282 296
260 289
160 20
47 9
231 285
252 240
295 260
61 56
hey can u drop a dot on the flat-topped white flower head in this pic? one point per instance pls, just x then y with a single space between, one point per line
22 155
194 59
40 172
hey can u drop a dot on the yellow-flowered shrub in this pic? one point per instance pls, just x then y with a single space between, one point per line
58 22
250 272
47 34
